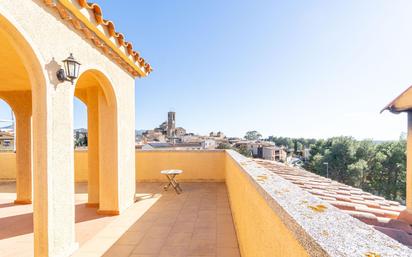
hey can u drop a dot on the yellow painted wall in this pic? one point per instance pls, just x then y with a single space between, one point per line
196 165
260 232
7 166
80 166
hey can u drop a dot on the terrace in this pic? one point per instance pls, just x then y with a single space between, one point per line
230 206
159 224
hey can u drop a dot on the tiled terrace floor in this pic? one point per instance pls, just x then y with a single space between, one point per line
196 223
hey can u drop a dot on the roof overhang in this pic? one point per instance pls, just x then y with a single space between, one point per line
88 19
402 103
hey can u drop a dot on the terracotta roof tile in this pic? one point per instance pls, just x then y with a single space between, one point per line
374 210
130 55
399 235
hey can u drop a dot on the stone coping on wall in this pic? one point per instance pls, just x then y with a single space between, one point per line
182 150
163 150
322 229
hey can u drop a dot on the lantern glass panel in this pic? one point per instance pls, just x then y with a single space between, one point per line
66 67
71 69
77 70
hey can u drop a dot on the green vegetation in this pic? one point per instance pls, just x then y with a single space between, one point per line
224 146
244 151
80 141
241 149
379 168
253 135
297 144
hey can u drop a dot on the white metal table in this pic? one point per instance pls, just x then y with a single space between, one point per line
171 176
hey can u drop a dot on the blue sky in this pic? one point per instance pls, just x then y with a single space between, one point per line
285 68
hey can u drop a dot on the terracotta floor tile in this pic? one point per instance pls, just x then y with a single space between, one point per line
179 239
142 255
149 246
131 238
141 226
119 251
180 227
227 241
228 252
226 229
173 251
205 233
201 256
158 232
202 247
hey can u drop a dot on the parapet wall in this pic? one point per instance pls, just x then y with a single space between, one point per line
274 217
198 166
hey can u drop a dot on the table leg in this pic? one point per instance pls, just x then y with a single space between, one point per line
173 183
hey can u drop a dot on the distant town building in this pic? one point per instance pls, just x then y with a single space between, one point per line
180 132
167 135
208 144
218 134
256 147
6 141
274 153
170 146
154 135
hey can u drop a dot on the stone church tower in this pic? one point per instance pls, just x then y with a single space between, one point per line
171 124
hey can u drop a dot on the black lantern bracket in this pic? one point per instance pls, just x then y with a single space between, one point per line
70 71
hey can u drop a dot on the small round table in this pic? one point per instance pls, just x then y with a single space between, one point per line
171 176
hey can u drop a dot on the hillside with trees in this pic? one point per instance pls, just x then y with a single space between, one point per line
379 168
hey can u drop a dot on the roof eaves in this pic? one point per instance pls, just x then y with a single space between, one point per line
391 106
130 57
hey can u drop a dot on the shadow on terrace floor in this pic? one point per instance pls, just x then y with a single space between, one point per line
197 222
16 221
17 225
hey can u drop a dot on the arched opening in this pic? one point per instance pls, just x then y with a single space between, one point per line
94 89
15 89
22 81
7 137
7 154
80 141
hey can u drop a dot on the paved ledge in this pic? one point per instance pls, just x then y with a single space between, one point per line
181 150
322 229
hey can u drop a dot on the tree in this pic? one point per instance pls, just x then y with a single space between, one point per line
376 168
244 151
282 141
253 135
388 173
224 146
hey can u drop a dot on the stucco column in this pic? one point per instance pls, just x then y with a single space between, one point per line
23 158
93 146
53 170
21 104
108 158
409 165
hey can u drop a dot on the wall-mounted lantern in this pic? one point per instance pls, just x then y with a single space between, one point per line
71 70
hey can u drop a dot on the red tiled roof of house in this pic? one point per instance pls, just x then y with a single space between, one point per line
373 210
